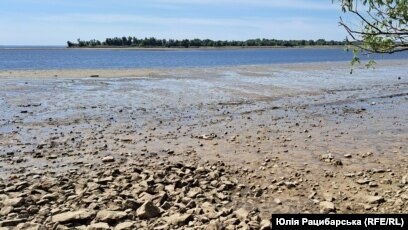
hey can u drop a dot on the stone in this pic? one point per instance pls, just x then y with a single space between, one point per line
266 224
328 197
80 215
214 225
193 192
125 226
362 181
14 202
404 179
51 196
147 211
241 214
326 207
375 199
108 159
28 226
372 184
378 170
6 210
52 157
290 185
11 223
178 219
107 216
277 201
98 226
398 203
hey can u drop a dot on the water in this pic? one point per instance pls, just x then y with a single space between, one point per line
58 58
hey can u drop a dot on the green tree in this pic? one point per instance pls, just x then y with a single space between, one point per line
382 26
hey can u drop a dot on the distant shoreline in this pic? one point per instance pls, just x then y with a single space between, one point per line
78 73
169 49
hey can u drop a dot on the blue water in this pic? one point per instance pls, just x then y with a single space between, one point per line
35 59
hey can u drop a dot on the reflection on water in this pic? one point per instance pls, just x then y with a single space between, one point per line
13 59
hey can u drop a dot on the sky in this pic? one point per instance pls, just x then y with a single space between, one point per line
54 22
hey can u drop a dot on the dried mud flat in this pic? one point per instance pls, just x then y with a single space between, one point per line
219 148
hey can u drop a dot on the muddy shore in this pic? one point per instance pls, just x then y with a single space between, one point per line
201 148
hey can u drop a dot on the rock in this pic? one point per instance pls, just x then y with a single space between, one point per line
52 157
378 170
147 211
266 224
241 214
404 179
107 216
178 219
312 195
328 197
52 196
362 181
231 221
347 155
125 226
398 203
277 201
6 210
290 185
214 225
14 202
375 199
11 223
98 226
373 184
28 226
108 159
193 192
326 207
80 215
94 76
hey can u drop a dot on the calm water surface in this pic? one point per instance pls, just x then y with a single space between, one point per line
32 59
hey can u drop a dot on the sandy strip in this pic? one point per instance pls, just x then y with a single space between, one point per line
154 72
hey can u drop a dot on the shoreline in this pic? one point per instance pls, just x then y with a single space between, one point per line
157 72
200 143
169 49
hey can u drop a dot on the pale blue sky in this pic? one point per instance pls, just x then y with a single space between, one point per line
53 22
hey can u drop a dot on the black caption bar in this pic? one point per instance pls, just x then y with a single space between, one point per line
339 221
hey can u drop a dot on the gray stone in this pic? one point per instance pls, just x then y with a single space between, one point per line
328 197
83 214
266 224
375 199
14 202
326 206
98 226
404 179
178 219
11 223
108 159
106 216
6 210
147 211
28 226
125 226
241 214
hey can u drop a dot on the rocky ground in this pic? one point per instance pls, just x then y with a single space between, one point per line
201 148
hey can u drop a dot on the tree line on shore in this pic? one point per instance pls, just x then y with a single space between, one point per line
196 43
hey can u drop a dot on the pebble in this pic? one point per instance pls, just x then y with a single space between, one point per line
375 199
